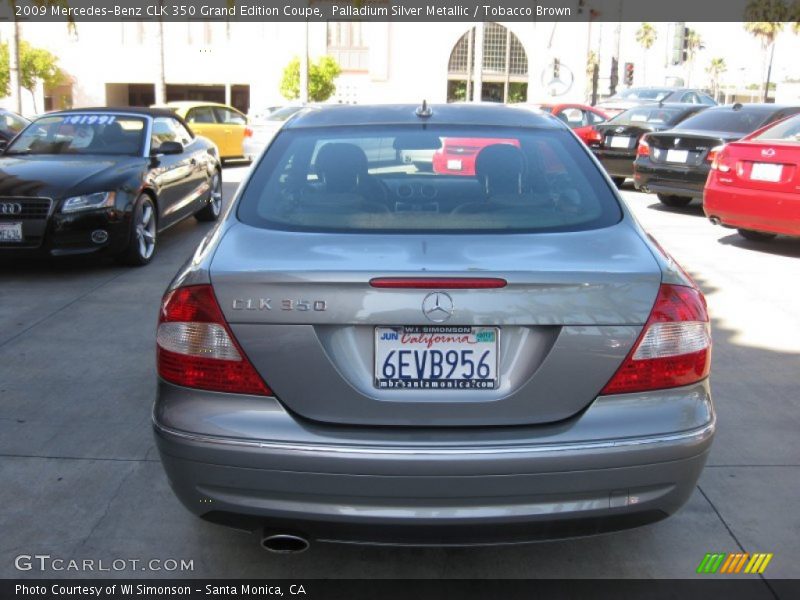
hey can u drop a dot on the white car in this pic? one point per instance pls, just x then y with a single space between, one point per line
262 128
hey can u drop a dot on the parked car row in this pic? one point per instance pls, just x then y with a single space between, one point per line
741 159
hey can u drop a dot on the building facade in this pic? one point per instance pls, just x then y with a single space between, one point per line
242 63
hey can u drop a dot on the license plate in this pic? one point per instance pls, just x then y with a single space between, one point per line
620 141
436 358
453 165
766 172
677 156
10 232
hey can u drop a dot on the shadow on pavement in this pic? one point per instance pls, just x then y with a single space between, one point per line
781 246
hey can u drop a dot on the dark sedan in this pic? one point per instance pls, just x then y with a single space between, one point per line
619 137
674 164
104 181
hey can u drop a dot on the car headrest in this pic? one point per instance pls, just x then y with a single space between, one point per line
340 165
500 169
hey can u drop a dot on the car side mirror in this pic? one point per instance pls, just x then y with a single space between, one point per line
3 145
169 147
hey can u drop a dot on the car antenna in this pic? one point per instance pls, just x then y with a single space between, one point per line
424 111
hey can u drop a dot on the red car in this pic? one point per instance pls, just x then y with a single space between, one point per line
457 155
580 118
754 183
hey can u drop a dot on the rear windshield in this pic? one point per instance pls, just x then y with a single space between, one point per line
737 121
437 179
650 116
785 131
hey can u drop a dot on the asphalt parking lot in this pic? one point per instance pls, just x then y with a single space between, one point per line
81 477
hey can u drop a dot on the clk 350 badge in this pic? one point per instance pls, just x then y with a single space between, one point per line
283 304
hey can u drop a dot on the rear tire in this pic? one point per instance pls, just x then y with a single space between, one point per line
756 236
674 201
143 234
618 181
211 211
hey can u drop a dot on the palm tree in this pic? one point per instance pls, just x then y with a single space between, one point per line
714 69
646 36
694 43
774 13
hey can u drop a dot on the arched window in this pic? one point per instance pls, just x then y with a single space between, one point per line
504 70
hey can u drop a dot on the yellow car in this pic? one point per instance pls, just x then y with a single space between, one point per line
222 124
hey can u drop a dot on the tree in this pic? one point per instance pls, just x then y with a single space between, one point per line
765 21
715 69
694 43
35 65
321 79
646 36
14 61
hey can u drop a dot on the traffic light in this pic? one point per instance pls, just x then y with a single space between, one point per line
629 73
614 79
685 46
678 43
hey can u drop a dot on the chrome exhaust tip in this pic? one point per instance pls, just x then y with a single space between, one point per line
284 543
714 220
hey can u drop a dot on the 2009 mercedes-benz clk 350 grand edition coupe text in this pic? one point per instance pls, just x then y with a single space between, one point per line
368 352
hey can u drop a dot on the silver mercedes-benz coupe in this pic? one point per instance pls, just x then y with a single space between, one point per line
483 347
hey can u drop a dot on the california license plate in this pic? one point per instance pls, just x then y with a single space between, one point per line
10 232
436 358
677 156
766 172
620 141
454 164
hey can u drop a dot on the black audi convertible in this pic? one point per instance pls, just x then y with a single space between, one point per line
104 181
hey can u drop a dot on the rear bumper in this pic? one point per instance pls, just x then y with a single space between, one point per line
673 181
758 210
435 486
616 164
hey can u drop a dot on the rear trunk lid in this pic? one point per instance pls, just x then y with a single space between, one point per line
622 138
758 165
302 308
687 148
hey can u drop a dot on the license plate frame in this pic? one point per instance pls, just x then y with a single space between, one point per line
677 156
11 232
769 172
418 340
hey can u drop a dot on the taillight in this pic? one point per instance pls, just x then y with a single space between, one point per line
196 348
643 149
715 158
594 136
674 348
248 132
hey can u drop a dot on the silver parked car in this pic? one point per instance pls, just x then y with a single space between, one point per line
364 352
262 127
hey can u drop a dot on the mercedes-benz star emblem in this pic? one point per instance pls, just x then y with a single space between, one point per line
438 307
10 208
